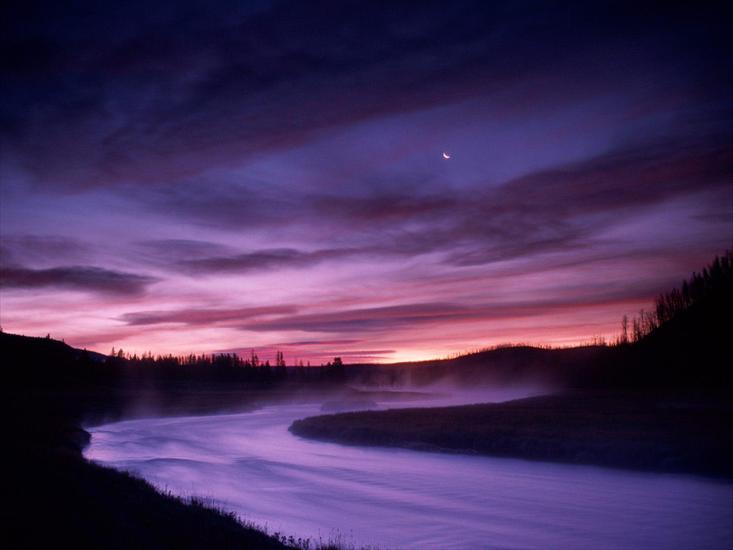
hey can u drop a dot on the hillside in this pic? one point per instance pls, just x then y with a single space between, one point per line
501 366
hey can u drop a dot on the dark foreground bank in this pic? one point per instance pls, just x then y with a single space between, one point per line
666 432
54 497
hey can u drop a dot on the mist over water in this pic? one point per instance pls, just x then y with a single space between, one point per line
250 464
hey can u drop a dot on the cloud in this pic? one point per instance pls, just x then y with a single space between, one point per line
280 135
181 249
363 320
266 259
330 342
77 278
129 94
193 317
394 318
562 209
41 249
384 208
272 259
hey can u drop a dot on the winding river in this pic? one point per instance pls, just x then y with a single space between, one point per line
250 464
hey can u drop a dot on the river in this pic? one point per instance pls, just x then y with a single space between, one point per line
250 464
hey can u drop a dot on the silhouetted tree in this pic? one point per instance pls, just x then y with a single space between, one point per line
280 369
625 330
715 280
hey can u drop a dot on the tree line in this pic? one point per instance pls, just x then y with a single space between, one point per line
228 365
715 280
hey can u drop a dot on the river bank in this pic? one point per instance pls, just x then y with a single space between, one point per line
55 494
378 497
672 431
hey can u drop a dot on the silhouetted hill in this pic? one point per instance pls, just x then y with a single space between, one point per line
508 365
695 343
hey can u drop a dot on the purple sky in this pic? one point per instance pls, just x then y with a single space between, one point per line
189 178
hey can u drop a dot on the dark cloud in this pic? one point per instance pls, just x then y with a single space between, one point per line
361 320
563 208
193 317
174 254
384 208
273 259
267 259
40 249
182 249
273 135
132 93
307 343
381 319
555 210
78 278
559 209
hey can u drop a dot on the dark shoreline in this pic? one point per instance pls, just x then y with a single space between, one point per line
56 495
670 432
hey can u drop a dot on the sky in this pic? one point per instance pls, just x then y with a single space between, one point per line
225 176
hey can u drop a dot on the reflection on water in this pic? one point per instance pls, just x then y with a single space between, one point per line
251 464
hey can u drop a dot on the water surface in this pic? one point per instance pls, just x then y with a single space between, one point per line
249 463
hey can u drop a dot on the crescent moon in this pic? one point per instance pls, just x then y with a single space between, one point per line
446 155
